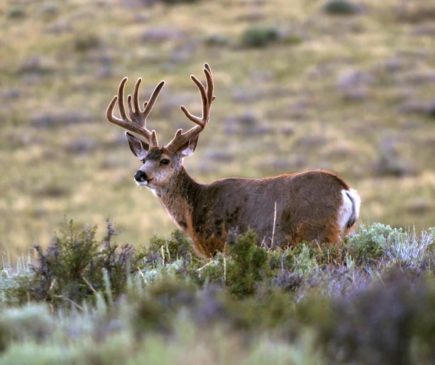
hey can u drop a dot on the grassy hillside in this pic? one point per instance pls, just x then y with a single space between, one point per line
298 86
347 86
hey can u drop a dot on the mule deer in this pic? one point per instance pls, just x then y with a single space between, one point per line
282 210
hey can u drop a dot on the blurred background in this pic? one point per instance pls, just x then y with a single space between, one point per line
343 85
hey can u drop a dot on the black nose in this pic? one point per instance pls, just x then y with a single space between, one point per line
140 176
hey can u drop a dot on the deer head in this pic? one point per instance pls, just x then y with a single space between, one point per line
159 163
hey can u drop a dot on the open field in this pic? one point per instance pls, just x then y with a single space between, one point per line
352 93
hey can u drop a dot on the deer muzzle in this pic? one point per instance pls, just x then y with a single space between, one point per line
141 177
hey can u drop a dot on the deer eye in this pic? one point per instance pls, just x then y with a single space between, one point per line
165 161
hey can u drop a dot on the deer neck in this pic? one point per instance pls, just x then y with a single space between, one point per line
179 198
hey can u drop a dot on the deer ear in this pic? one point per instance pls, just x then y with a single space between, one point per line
137 146
189 148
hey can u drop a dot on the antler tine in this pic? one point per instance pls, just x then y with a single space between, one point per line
136 122
121 98
150 103
206 92
207 71
136 95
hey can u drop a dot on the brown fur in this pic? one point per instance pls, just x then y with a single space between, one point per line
307 206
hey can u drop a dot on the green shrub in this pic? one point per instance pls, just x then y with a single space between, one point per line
257 37
75 267
370 242
16 12
18 291
304 261
176 247
340 7
247 266
86 42
213 272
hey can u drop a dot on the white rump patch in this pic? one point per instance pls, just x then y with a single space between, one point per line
349 210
